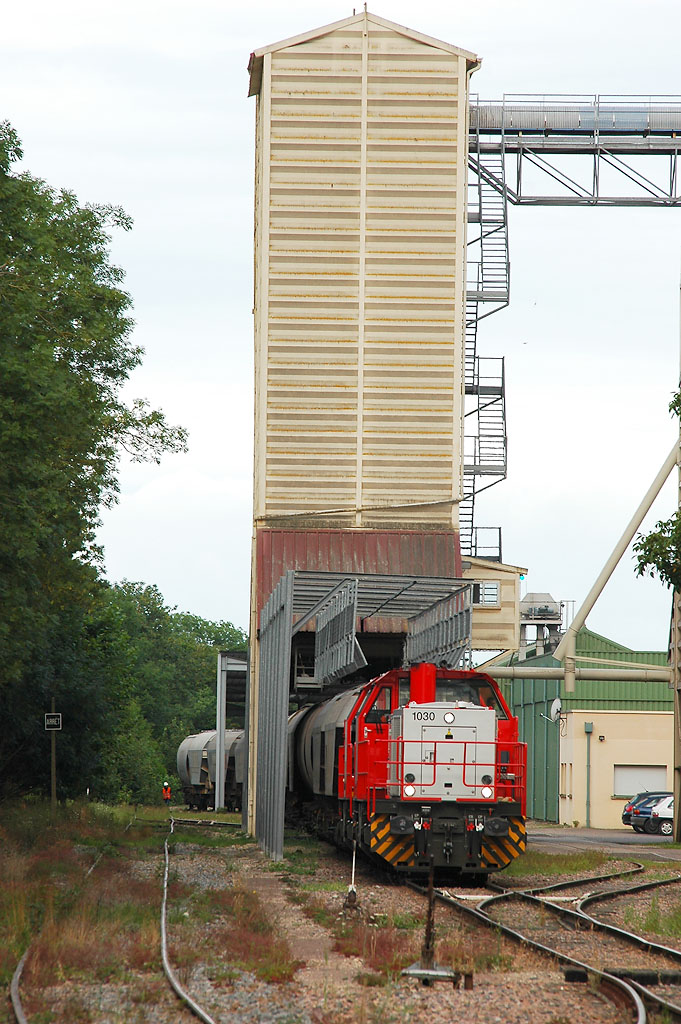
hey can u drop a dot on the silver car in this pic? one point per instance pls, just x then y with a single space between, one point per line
662 817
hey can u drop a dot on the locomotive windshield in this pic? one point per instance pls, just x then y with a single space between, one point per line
474 691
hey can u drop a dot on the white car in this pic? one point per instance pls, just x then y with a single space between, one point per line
662 817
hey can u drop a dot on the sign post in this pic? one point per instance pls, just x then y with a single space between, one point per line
53 725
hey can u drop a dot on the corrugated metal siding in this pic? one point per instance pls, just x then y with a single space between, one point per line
530 699
594 645
404 552
610 694
360 281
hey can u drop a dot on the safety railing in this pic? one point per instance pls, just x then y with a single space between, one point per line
380 773
576 114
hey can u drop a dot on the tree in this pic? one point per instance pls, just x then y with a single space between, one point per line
131 676
659 552
65 354
172 662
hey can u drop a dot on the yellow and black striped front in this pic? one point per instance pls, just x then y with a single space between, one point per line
395 849
499 851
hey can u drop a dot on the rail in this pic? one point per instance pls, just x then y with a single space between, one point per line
15 997
169 973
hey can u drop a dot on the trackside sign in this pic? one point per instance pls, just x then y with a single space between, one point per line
53 720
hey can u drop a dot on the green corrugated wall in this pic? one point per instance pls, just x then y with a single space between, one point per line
531 699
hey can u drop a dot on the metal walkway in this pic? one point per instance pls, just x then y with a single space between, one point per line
613 131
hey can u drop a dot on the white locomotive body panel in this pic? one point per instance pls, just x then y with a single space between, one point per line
442 751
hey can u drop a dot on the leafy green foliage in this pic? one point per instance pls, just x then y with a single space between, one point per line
170 671
65 353
130 676
659 552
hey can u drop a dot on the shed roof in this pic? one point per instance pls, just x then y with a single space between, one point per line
390 595
255 62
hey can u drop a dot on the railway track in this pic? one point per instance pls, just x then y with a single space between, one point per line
597 995
191 1004
630 968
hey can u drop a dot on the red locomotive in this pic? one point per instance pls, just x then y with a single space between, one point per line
419 764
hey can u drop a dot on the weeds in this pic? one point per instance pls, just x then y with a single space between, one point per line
385 950
43 888
316 910
301 859
218 840
247 940
667 922
550 864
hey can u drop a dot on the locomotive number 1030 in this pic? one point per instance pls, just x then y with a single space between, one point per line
424 716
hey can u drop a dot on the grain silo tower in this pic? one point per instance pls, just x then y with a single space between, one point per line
360 257
360 305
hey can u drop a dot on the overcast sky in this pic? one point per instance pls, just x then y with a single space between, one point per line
144 104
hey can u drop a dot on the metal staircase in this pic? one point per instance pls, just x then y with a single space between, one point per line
487 292
493 232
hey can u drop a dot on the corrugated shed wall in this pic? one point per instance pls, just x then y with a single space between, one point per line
404 553
530 700
613 695
360 239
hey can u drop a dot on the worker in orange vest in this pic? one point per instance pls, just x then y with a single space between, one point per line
166 794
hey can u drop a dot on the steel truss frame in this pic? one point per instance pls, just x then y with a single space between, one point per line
611 130
304 596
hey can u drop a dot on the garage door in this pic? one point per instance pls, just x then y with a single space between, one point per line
635 778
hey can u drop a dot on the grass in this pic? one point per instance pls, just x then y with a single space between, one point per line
383 948
666 923
387 947
242 931
107 928
301 856
455 950
555 864
208 839
44 888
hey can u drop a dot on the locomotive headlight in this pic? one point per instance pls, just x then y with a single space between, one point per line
448 717
409 790
486 780
486 792
410 777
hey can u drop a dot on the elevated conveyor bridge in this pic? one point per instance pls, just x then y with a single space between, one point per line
614 131
541 150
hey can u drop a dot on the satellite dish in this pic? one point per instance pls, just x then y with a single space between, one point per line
556 709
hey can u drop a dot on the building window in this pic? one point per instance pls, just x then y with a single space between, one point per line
486 594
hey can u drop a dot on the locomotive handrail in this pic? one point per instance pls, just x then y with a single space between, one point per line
508 775
348 745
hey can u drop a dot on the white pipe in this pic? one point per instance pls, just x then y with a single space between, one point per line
620 548
650 675
220 715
